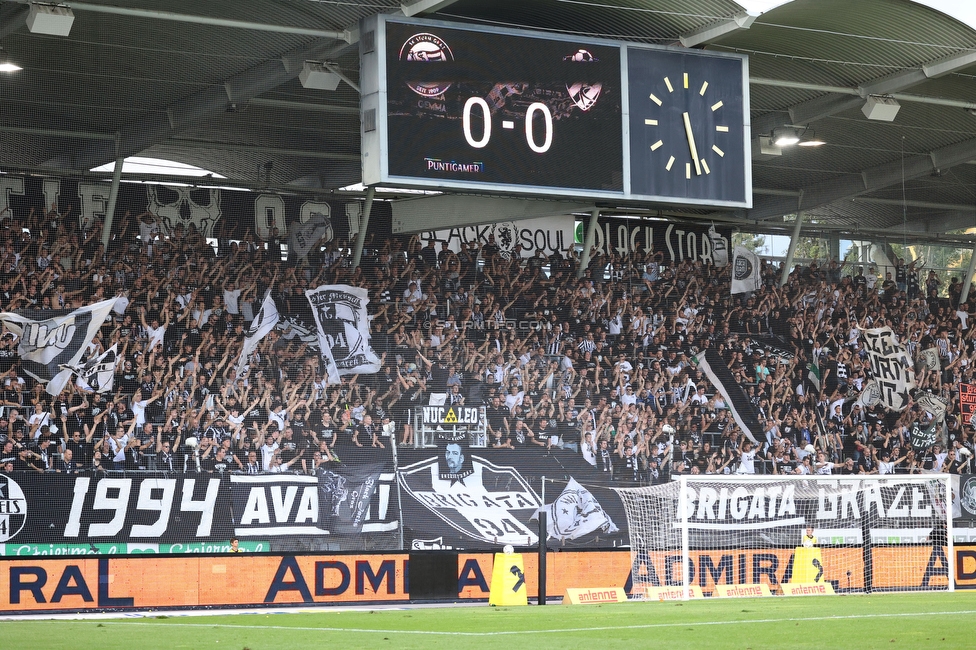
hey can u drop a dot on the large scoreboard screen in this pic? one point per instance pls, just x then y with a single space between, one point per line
450 106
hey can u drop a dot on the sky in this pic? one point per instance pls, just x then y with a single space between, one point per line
962 10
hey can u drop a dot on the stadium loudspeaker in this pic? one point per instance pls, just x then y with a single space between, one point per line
50 19
880 108
433 576
318 77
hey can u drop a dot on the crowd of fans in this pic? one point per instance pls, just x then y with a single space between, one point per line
596 367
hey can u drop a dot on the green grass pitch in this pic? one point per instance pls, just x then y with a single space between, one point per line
928 620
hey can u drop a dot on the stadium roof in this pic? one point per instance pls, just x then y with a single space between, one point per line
215 85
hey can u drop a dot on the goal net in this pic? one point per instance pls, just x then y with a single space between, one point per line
708 535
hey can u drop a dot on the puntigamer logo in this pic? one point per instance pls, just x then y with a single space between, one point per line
13 508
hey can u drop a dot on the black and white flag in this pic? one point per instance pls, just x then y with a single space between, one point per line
870 394
928 358
720 250
345 494
924 438
743 412
98 373
261 326
303 237
934 404
891 367
576 513
745 271
343 324
53 341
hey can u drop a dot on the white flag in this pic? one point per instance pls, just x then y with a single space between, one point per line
261 326
745 271
891 367
52 341
576 513
98 373
343 324
720 249
303 237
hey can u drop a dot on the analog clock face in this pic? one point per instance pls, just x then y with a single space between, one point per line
686 126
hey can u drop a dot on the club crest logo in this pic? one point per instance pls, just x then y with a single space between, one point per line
742 268
871 395
492 504
426 48
506 236
584 95
968 497
13 508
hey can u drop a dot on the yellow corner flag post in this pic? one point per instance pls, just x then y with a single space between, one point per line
808 567
508 580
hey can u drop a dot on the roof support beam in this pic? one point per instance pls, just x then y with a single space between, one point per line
424 7
303 106
869 180
150 129
152 14
944 221
713 31
250 148
814 109
13 21
827 105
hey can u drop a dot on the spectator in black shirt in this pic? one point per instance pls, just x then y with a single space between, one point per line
81 448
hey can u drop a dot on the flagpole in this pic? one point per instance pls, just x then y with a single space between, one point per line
791 251
357 251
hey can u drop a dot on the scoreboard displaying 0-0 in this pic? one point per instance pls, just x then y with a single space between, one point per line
452 106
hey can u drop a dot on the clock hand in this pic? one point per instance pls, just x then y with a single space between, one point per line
691 143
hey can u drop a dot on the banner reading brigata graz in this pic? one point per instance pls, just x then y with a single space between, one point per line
763 514
675 241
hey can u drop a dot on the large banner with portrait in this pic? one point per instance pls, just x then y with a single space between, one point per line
343 330
461 497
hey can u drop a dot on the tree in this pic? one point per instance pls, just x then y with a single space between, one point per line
750 241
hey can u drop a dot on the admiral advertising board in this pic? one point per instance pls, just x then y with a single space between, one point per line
247 580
